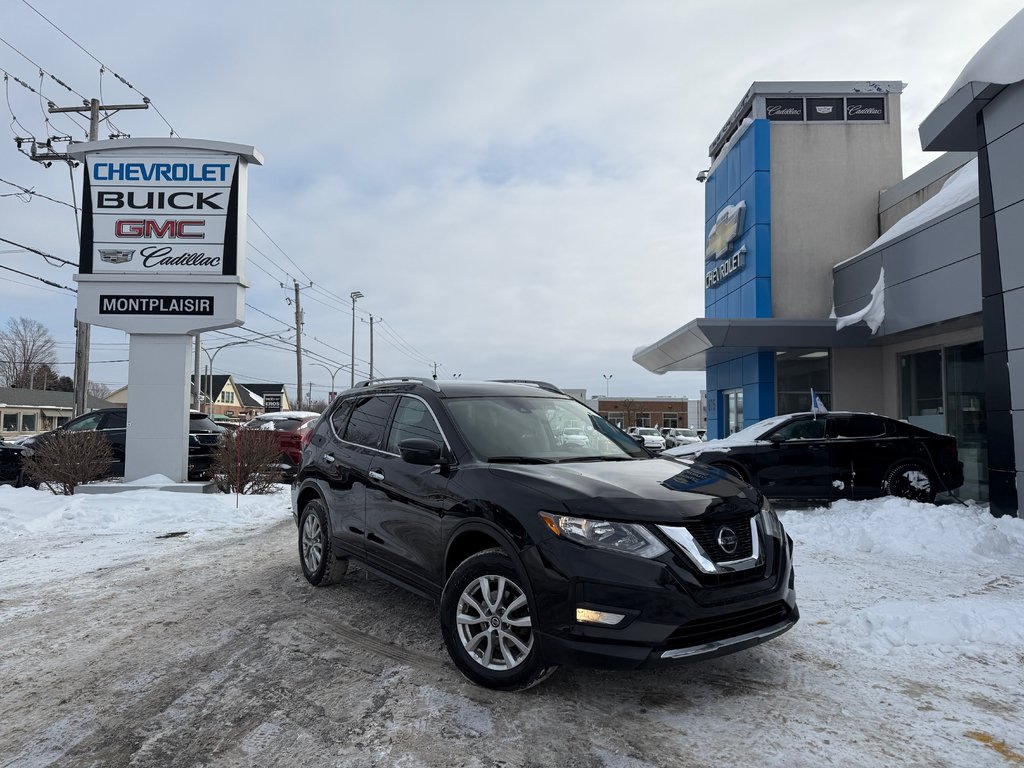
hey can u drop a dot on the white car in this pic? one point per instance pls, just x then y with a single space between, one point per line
574 436
652 439
676 436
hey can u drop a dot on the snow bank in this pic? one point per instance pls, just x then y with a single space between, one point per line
967 625
27 512
891 526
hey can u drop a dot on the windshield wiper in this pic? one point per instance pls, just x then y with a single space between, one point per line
519 460
595 458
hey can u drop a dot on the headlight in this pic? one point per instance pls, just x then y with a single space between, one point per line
618 537
770 522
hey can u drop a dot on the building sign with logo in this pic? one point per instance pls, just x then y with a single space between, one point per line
724 232
271 402
825 108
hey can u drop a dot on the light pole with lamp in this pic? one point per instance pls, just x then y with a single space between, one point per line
333 373
607 378
354 295
209 377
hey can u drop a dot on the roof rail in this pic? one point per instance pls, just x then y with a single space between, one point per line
539 384
430 383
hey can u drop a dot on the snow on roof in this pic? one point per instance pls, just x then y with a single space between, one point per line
999 61
873 314
960 188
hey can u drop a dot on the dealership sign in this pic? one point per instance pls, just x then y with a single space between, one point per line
155 214
163 234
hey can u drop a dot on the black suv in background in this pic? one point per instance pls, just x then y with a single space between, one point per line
111 423
539 551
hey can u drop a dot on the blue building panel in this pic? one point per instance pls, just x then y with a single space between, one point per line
743 175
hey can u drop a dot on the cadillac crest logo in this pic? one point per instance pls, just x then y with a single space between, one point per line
115 255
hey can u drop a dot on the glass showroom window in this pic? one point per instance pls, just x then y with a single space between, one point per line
797 372
616 418
10 422
733 401
643 419
944 390
28 422
670 420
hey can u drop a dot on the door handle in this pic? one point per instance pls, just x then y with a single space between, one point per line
329 458
375 475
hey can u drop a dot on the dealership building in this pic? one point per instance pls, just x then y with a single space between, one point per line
825 269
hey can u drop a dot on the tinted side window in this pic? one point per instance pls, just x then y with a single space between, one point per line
116 420
412 419
339 416
367 422
802 429
862 426
86 423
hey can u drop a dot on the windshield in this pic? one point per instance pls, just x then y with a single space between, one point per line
649 432
538 429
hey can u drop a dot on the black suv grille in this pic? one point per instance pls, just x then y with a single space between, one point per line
725 626
706 534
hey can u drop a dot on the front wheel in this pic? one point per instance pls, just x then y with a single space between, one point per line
912 481
487 624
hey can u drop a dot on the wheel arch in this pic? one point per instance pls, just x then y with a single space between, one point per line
477 536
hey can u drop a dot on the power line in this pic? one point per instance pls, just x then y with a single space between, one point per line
46 256
103 67
40 279
33 193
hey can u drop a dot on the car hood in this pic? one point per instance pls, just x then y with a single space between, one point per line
720 446
653 490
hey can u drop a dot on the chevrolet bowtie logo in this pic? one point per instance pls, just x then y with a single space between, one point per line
726 229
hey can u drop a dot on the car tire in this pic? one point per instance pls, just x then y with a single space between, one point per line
493 643
911 480
320 565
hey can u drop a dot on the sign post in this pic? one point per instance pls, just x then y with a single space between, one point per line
162 258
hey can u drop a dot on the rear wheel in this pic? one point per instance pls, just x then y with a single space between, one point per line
320 566
911 480
487 624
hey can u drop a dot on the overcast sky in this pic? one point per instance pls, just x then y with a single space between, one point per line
511 185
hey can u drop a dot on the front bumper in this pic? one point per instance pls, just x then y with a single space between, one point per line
672 611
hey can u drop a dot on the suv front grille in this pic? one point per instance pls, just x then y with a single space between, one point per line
706 534
725 626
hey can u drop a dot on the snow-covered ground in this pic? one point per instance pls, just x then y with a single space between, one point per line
910 651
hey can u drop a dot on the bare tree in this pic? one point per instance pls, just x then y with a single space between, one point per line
248 461
67 460
26 346
96 389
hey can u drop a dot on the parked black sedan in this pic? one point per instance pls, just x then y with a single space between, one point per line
840 455
204 436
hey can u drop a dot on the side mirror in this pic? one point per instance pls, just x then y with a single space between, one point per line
776 439
639 439
418 450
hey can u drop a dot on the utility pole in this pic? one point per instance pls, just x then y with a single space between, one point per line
83 331
196 387
435 370
298 349
371 347
355 295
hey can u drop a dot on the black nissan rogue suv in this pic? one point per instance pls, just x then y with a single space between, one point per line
539 551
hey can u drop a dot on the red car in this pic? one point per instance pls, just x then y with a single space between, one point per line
292 428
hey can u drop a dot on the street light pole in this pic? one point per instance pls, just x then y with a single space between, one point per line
607 378
354 295
333 373
209 378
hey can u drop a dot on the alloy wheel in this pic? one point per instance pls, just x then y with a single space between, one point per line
494 626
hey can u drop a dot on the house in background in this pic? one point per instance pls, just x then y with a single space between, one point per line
27 411
230 399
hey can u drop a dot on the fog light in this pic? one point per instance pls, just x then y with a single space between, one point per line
587 616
